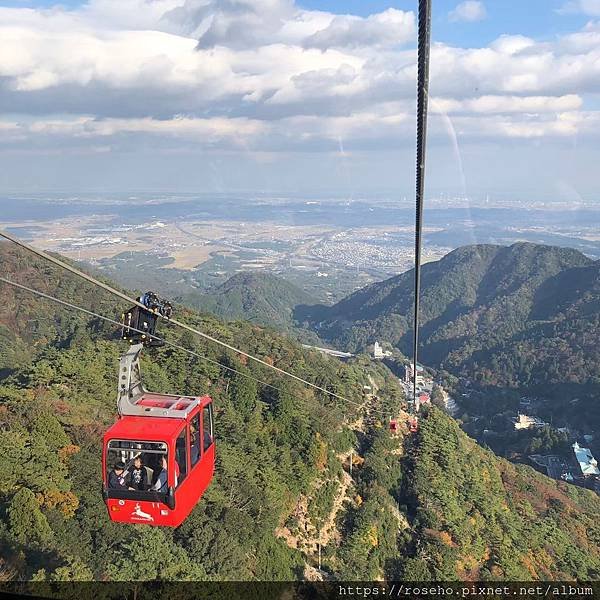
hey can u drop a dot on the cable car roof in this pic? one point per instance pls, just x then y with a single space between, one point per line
149 427
145 428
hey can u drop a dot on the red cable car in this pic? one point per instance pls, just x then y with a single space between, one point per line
159 457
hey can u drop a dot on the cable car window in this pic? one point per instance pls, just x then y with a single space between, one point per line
195 440
207 433
136 466
181 457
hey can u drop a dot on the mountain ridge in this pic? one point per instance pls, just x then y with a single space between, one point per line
476 302
255 296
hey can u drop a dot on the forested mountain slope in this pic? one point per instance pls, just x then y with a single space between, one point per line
522 314
280 477
58 395
256 297
478 517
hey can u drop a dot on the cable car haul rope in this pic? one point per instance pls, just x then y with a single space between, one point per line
166 441
113 322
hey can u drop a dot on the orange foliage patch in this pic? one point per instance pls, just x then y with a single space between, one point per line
527 560
66 502
357 460
468 569
442 536
545 564
67 451
497 572
538 496
372 536
93 429
61 407
321 454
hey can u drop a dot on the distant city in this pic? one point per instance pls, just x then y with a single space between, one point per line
328 246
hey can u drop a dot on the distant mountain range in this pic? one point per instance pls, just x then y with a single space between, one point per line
522 317
516 315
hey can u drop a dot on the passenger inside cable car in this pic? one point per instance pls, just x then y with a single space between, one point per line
133 465
117 477
158 480
138 477
156 304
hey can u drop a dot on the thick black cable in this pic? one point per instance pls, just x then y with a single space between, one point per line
422 101
113 322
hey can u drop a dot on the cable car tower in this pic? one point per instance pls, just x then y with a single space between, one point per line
159 457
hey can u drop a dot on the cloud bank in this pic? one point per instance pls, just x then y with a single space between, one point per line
269 76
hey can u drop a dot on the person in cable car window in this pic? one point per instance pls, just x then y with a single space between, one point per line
145 299
160 485
167 310
195 443
160 477
116 478
138 478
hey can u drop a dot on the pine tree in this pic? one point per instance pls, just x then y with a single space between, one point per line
26 522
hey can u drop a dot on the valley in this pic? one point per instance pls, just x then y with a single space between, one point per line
510 333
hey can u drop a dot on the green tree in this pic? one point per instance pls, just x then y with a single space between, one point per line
150 555
243 393
26 522
74 569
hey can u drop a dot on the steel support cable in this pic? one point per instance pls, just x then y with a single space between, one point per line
154 337
422 101
112 321
123 296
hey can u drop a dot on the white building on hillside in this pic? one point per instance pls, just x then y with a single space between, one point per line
379 352
408 374
587 463
522 421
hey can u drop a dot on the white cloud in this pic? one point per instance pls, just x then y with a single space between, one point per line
265 73
389 28
508 104
468 11
586 7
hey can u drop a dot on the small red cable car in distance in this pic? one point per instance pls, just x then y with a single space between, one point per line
159 457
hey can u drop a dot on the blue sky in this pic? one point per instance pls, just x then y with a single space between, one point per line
317 94
538 18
